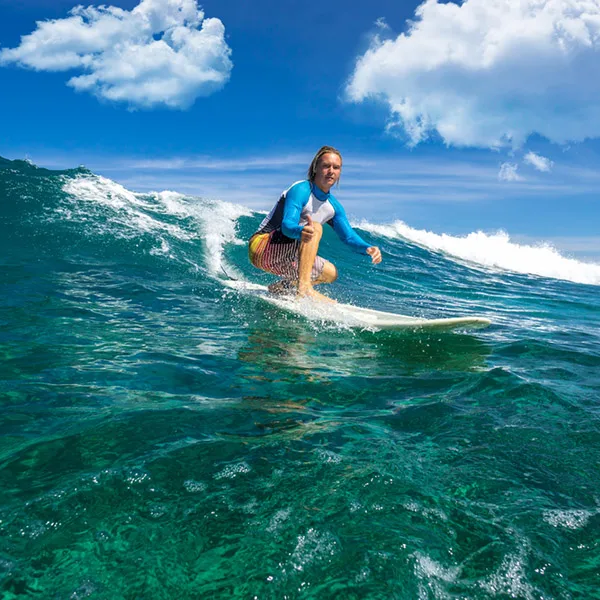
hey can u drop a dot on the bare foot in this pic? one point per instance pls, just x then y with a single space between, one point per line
282 288
310 292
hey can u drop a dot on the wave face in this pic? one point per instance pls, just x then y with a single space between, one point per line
164 436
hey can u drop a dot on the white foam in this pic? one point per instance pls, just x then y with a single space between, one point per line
217 221
433 577
278 519
320 314
233 470
220 228
426 567
328 457
137 214
510 579
569 519
129 208
495 250
194 487
313 546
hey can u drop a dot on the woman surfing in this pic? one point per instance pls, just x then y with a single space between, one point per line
287 241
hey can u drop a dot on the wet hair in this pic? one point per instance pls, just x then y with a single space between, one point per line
312 169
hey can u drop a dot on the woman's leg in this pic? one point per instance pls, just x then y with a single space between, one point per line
306 259
288 258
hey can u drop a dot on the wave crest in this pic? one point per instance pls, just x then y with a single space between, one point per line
495 250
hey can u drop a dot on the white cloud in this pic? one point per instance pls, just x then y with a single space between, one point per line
381 24
163 52
489 73
508 172
541 163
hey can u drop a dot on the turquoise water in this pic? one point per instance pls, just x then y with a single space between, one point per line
164 437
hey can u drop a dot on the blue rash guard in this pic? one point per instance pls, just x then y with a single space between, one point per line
304 198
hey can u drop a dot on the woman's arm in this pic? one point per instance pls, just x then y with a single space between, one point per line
295 200
344 230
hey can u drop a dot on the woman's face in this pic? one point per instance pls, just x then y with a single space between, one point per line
328 171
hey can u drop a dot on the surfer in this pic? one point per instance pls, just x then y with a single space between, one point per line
287 241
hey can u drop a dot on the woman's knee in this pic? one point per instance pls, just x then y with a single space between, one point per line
329 273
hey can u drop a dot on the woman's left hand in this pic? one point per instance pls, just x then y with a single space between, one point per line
375 254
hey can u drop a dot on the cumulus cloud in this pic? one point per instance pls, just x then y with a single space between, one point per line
508 172
488 73
163 52
541 163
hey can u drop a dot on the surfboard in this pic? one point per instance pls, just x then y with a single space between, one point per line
355 316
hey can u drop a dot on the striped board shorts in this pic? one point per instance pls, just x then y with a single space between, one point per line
276 253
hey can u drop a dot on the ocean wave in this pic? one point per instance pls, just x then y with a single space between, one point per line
106 208
495 250
165 214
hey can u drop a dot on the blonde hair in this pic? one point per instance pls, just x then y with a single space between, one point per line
312 169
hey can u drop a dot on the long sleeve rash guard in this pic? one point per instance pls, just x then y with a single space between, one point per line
302 199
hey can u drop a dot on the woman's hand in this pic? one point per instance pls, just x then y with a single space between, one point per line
308 231
375 254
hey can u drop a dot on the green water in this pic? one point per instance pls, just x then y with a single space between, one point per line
163 437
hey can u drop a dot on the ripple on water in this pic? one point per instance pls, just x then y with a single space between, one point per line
568 519
194 487
232 471
313 546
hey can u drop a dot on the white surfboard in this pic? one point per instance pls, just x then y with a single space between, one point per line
354 316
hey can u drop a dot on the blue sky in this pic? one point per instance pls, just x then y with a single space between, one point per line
454 119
